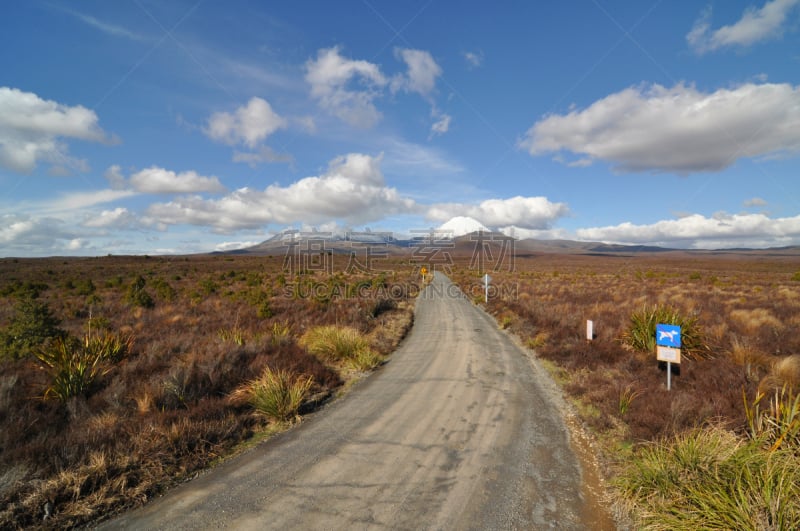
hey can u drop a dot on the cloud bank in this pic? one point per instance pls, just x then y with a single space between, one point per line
697 231
680 129
352 190
524 212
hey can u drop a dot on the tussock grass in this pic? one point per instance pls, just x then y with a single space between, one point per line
784 375
754 361
280 333
754 319
711 479
345 345
232 335
278 394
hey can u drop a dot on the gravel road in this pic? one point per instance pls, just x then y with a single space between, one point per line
457 431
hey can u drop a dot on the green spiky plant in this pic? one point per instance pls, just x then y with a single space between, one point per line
277 394
641 332
74 365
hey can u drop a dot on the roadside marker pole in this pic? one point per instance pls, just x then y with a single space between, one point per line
669 375
486 280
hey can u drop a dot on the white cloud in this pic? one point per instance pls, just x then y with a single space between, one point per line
119 218
413 159
442 125
474 59
678 129
422 72
77 244
31 130
155 180
263 154
697 231
306 123
535 234
23 235
250 124
106 27
331 75
78 200
754 26
535 213
755 202
352 190
114 177
348 88
234 246
253 77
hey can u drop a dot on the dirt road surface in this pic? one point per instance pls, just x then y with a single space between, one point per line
457 431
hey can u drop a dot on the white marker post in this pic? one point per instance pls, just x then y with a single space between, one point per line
486 280
589 330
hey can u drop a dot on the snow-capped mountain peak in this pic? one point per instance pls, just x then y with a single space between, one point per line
463 225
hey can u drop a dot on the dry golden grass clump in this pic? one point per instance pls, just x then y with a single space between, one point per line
276 394
753 320
784 375
340 345
754 361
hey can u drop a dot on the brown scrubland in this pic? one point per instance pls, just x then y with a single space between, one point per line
120 376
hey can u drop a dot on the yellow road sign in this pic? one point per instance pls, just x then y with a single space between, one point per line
424 271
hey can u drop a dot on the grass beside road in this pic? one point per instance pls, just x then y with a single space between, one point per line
121 376
716 450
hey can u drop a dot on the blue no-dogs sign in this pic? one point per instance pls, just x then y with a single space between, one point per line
668 335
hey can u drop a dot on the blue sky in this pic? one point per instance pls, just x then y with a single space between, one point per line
189 126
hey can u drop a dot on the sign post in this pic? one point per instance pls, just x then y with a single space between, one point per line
668 347
589 330
424 272
486 280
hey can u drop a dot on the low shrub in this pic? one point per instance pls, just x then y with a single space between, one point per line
32 324
276 394
137 295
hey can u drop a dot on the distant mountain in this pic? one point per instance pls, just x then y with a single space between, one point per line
336 242
463 225
467 233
